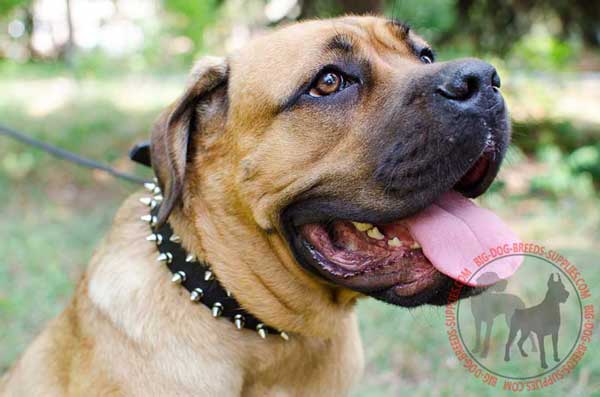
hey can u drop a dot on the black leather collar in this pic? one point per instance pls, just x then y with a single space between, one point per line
196 276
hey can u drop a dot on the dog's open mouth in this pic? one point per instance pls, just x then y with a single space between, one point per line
415 254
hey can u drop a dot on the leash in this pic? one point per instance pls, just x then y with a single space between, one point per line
135 154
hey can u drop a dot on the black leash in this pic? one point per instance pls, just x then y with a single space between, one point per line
69 156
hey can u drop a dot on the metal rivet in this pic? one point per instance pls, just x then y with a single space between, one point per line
217 309
175 238
178 277
190 258
196 295
260 328
208 275
284 335
239 321
165 257
155 237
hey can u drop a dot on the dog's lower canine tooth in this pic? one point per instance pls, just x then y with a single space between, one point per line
363 227
415 245
375 233
395 242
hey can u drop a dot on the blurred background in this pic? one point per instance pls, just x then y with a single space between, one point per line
92 75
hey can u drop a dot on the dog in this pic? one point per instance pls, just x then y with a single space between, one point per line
489 305
542 319
326 161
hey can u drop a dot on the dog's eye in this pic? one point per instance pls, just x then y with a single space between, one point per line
426 55
327 83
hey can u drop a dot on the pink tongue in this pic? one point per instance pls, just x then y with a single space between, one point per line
453 231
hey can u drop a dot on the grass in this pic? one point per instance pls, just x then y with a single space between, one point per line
53 215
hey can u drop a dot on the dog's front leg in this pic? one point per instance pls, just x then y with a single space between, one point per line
555 345
477 335
486 340
542 350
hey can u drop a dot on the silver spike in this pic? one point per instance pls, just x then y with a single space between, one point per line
178 277
284 335
155 237
228 293
156 191
260 328
208 275
150 186
155 179
239 321
151 219
217 309
158 198
175 238
196 295
190 258
149 201
165 257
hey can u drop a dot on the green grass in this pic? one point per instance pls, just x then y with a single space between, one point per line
53 215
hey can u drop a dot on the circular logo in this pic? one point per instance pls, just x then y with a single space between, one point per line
527 332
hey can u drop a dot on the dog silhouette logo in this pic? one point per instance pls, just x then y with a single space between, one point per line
546 304
488 306
542 319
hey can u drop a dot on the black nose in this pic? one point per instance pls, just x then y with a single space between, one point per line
469 81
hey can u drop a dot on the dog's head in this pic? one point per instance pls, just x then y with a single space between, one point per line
345 147
556 289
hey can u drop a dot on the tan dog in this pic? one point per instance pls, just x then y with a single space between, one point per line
264 161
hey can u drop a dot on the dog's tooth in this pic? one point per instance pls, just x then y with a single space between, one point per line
155 237
260 328
217 309
375 233
178 277
239 321
415 245
395 242
165 257
284 335
363 227
196 295
208 275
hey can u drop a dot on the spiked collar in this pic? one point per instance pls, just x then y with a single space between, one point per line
196 276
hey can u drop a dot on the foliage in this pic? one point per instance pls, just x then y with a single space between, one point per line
431 18
191 18
7 6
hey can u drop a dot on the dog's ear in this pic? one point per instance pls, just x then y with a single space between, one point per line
551 279
174 129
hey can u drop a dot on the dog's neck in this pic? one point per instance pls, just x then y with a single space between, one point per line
255 265
248 269
195 275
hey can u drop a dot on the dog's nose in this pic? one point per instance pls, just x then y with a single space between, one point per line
470 83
